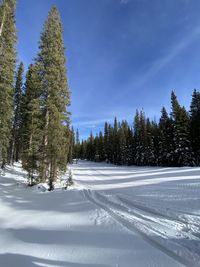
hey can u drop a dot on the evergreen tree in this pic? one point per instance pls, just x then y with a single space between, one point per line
130 147
91 148
110 144
55 97
166 140
123 131
77 145
96 148
136 127
83 153
81 150
101 147
115 143
140 138
195 124
15 144
106 142
150 149
155 137
71 146
31 123
7 70
182 155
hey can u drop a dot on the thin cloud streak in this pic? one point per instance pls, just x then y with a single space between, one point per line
124 2
159 64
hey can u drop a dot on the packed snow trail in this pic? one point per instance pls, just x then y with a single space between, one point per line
171 227
154 233
112 217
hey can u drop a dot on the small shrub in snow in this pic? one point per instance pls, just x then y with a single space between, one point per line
69 181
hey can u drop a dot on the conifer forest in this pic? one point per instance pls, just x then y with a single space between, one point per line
173 141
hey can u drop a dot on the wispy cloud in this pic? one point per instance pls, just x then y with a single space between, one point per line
159 64
175 50
124 1
90 123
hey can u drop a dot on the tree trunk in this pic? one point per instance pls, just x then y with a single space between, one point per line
51 178
3 164
12 152
2 23
45 164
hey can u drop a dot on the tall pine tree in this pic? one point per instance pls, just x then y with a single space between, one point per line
7 71
182 154
15 142
195 124
31 132
71 154
166 141
55 96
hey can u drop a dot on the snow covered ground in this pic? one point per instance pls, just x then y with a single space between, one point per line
114 216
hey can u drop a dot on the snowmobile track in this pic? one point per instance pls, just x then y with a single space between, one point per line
116 210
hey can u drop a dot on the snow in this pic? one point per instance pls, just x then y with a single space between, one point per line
112 217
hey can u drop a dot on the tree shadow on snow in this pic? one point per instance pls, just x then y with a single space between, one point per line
20 196
11 259
83 237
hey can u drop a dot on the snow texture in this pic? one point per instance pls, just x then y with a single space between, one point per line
112 217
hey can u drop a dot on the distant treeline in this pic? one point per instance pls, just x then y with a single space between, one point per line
173 141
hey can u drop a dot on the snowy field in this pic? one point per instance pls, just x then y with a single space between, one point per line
113 217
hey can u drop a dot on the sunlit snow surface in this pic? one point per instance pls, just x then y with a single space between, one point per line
113 217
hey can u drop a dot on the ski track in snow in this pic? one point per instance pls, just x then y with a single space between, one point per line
136 222
170 230
112 217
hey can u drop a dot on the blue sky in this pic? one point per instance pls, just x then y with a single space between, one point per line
121 54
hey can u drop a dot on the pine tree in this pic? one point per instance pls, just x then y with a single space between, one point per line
130 147
7 70
96 148
123 130
182 155
140 136
90 148
101 147
83 149
77 145
82 152
155 137
55 96
150 149
31 132
165 142
115 143
15 143
110 144
106 142
195 124
71 146
136 127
